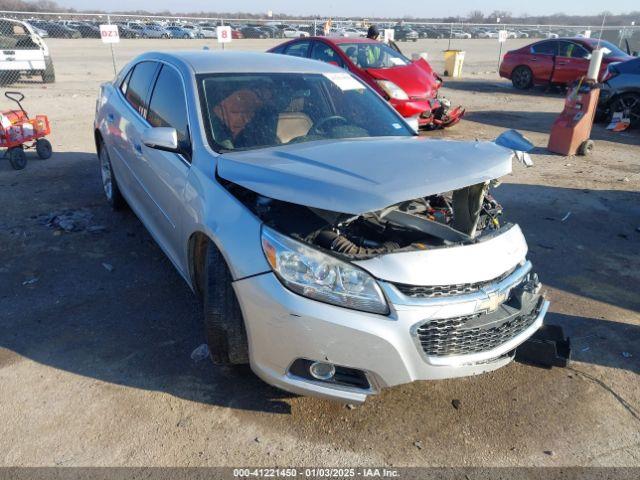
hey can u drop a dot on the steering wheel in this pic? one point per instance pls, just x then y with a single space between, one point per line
317 127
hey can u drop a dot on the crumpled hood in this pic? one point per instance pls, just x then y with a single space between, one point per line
357 176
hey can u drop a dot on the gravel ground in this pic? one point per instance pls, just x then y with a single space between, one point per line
97 329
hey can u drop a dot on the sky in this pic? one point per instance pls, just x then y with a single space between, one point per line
362 8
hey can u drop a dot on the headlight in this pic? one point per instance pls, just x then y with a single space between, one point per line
313 274
393 90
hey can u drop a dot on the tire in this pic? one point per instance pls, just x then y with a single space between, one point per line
626 101
223 323
17 158
109 183
43 148
186 37
586 148
49 74
522 77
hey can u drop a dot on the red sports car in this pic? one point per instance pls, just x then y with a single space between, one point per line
557 61
410 86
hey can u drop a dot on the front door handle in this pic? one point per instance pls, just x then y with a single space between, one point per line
138 148
111 118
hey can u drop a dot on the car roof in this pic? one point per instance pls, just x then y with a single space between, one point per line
209 61
339 40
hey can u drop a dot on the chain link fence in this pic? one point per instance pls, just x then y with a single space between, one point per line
24 36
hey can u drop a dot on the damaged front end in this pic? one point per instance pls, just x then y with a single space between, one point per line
444 259
458 217
440 115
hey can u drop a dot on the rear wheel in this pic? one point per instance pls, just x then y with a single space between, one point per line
223 322
43 148
586 148
49 74
17 158
522 77
109 184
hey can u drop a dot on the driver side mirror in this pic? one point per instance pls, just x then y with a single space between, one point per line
161 138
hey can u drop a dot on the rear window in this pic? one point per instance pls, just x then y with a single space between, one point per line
544 48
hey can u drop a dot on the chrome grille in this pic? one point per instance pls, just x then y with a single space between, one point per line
436 291
449 336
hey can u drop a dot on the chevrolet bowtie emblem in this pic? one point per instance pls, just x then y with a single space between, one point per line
493 300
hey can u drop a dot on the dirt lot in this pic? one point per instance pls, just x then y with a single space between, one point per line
97 329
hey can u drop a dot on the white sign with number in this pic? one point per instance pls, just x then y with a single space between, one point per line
224 34
502 36
587 34
109 33
389 35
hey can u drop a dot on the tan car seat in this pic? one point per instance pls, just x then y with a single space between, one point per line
292 125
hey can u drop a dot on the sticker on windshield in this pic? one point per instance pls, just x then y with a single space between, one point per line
344 81
397 126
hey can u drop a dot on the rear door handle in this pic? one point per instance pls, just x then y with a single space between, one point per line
111 118
138 148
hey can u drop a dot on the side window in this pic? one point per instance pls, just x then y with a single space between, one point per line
125 82
544 48
139 85
168 107
579 51
300 49
324 53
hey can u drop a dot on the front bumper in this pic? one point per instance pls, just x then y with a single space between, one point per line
428 113
283 327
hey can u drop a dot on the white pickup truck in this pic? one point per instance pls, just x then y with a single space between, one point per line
23 52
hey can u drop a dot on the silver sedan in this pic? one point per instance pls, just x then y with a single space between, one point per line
335 250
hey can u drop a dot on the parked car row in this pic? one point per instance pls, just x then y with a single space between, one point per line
274 29
177 30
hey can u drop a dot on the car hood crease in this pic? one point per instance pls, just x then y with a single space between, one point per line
357 176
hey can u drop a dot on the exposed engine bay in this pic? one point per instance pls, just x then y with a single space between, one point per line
453 218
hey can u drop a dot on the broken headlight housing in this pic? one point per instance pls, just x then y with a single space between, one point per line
316 275
392 90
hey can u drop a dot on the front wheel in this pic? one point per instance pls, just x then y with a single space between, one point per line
223 322
17 158
522 77
629 103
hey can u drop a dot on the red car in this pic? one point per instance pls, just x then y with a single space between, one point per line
557 61
410 86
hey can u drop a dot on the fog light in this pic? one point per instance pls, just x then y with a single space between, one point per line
322 371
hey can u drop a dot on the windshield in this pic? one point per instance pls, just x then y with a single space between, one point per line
373 55
245 111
